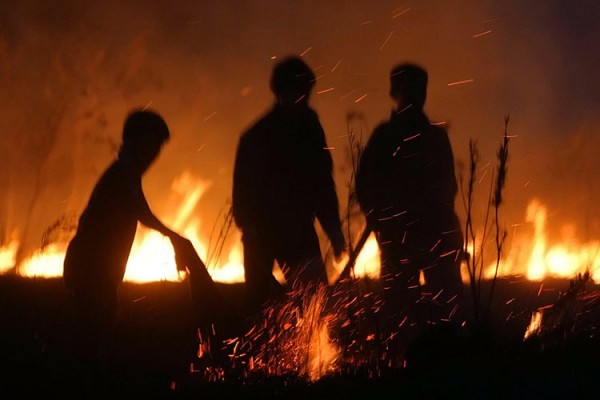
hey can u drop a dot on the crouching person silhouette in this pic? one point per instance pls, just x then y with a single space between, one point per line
96 257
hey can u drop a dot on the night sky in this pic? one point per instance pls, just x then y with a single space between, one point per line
70 72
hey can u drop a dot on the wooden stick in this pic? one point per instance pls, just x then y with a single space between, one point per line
354 252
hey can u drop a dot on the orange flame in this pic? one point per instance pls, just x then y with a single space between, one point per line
292 337
367 263
8 256
322 352
537 258
534 325
152 256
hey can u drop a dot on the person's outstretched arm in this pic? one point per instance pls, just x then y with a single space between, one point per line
326 202
147 218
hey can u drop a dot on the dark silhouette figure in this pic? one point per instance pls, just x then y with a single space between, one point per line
406 187
282 182
96 257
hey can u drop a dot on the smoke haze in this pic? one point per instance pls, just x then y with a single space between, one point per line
71 71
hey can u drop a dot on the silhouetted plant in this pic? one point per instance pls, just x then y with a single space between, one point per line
354 153
474 246
500 235
60 231
216 245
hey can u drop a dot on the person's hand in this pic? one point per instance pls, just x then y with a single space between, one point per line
339 251
183 249
340 260
339 254
338 242
180 243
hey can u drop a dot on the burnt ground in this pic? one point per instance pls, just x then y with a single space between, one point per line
155 353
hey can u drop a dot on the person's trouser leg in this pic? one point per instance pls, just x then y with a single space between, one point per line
261 285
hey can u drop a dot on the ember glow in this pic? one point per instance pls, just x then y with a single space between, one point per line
292 337
534 325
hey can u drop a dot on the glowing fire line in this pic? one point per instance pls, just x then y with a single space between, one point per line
152 256
536 258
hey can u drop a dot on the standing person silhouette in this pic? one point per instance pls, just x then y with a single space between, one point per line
96 257
283 181
406 187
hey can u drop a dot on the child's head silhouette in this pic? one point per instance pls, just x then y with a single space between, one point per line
144 133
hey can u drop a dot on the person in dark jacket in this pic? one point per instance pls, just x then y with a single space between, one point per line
406 187
96 256
283 181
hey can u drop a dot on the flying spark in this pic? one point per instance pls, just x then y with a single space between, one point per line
360 98
300 99
482 34
347 94
325 90
336 65
386 40
398 14
485 172
411 137
305 51
209 117
461 82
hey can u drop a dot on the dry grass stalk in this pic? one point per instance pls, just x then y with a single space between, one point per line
476 253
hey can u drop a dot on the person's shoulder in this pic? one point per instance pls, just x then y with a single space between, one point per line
438 126
113 180
263 121
311 112
437 135
311 120
113 171
380 136
437 130
382 129
258 126
382 126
